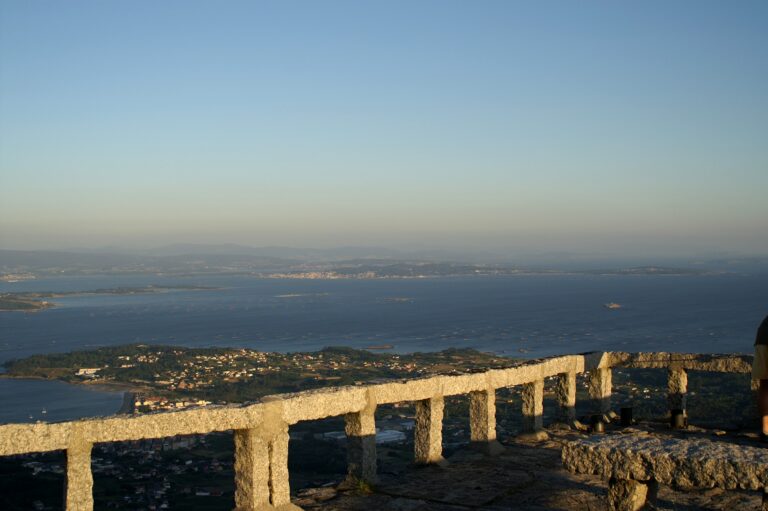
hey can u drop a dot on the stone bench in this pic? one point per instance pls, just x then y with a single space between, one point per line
636 464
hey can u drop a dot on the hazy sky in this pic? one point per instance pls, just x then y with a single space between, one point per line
593 127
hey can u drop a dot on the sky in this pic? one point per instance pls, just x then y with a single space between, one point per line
597 128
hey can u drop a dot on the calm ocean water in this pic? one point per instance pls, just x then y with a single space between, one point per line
527 316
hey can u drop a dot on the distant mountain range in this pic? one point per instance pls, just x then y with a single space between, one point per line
100 262
343 261
291 253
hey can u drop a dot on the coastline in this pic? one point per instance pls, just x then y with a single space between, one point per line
97 386
113 386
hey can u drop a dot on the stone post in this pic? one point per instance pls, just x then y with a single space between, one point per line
565 392
361 444
677 388
251 470
79 482
599 383
533 406
482 421
627 494
261 463
279 485
428 433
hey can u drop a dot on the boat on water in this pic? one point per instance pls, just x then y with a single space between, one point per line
612 305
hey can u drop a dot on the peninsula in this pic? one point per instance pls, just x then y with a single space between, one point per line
240 375
38 300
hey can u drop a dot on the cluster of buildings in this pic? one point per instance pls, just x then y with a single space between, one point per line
16 277
323 275
206 370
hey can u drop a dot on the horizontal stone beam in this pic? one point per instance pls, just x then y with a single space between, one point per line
721 363
42 437
321 403
24 438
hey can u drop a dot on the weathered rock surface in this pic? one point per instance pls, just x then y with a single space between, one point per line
682 463
729 363
626 495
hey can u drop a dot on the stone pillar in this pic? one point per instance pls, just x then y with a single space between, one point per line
428 433
482 421
279 485
482 415
261 463
599 383
361 444
533 406
79 482
626 494
565 392
677 388
251 470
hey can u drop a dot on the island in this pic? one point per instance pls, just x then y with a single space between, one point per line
32 301
15 302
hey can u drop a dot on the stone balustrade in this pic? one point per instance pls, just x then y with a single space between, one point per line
261 429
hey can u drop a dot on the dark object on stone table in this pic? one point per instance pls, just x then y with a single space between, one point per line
678 420
626 416
596 424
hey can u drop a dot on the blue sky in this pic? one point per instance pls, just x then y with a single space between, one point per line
587 127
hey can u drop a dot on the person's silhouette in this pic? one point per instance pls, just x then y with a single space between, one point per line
760 372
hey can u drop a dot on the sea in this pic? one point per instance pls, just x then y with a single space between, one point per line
526 316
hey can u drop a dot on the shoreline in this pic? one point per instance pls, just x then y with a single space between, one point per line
29 311
112 387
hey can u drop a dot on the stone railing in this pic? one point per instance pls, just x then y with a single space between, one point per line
261 429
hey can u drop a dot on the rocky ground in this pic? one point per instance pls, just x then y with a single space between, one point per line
528 475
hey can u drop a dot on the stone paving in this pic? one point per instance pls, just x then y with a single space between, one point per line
528 475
